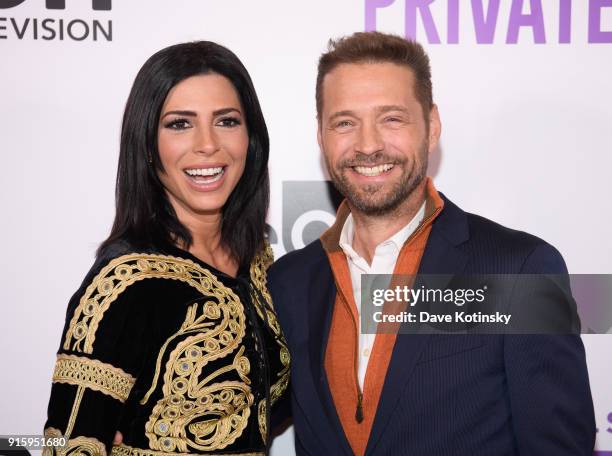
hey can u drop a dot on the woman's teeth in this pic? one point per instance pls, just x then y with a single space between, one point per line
372 170
205 175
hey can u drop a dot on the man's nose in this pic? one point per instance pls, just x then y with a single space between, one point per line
370 140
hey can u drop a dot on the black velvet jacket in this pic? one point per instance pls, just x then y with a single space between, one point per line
178 356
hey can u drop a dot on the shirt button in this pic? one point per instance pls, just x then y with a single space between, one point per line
366 352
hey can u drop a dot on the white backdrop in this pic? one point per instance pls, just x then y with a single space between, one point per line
526 141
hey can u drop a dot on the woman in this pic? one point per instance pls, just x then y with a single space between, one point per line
172 339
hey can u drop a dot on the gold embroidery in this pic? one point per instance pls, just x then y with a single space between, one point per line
259 278
125 450
258 274
215 414
122 272
51 433
278 388
258 269
75 410
262 420
79 446
93 374
227 402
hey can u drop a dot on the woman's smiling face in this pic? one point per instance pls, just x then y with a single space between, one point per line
203 141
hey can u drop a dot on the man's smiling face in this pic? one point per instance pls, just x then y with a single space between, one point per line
374 134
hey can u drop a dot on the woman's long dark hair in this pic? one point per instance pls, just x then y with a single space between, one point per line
144 216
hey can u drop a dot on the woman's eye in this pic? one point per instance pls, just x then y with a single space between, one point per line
178 124
229 122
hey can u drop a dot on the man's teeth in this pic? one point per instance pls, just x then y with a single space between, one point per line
205 175
373 170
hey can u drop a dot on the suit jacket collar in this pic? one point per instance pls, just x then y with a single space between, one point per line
320 317
442 256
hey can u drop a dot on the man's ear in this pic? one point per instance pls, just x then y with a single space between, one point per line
319 134
435 128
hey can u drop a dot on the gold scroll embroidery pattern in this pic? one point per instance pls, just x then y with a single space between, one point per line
125 450
79 446
93 374
122 272
259 278
215 414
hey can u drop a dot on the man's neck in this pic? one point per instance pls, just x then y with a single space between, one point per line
371 230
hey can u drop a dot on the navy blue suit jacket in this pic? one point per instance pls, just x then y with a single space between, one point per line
456 395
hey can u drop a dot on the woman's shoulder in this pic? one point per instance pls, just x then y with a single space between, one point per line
120 248
123 268
123 264
125 280
130 262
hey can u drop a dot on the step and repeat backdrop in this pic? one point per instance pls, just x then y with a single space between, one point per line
523 89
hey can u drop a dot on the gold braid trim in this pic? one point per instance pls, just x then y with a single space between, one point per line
259 277
115 277
262 419
93 374
125 450
79 446
75 410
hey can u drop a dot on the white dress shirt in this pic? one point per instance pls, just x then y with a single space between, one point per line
383 262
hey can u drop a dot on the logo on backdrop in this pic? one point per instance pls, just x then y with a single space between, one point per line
443 15
56 28
309 208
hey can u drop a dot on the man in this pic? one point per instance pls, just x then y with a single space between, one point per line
412 394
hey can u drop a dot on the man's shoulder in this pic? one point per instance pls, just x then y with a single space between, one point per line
292 279
494 247
482 228
495 240
301 261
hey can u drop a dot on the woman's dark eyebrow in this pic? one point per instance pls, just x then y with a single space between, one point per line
180 113
186 113
220 112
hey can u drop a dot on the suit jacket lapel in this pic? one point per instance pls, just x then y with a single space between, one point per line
441 256
321 307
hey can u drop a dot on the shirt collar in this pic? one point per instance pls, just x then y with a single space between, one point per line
397 240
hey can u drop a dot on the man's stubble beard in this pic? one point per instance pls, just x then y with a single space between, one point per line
373 200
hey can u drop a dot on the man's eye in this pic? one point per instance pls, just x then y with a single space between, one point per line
178 124
344 124
229 122
393 119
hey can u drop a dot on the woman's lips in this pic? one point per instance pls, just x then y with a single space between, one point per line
205 178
